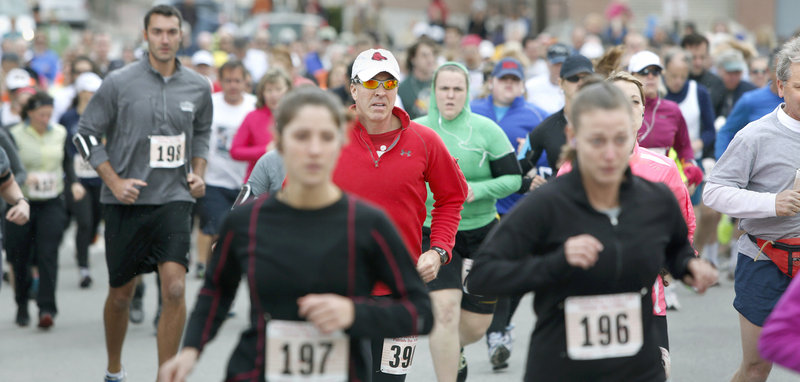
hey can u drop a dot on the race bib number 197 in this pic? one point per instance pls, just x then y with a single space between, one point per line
603 326
298 351
167 151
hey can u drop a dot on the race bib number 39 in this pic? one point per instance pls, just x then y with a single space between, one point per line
167 151
297 351
397 355
603 326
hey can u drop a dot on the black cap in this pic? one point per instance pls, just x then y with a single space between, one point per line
557 53
576 64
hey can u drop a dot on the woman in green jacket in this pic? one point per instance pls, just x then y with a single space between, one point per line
487 160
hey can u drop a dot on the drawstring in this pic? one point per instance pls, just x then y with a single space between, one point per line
762 248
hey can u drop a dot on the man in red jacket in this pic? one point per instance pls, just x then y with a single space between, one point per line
388 161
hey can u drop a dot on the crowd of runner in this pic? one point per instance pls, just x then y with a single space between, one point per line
440 183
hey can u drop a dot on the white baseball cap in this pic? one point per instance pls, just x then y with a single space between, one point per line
202 57
17 78
88 82
642 60
373 61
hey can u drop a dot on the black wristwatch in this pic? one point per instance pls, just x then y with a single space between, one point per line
442 254
21 199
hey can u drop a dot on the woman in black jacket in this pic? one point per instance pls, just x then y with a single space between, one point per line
590 245
310 254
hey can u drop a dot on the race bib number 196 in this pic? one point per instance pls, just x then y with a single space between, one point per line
603 326
298 351
167 151
397 354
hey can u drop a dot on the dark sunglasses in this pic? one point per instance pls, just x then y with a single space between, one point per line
575 78
655 70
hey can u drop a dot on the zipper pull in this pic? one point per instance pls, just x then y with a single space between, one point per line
376 163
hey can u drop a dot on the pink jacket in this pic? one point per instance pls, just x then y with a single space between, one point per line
780 337
250 141
658 168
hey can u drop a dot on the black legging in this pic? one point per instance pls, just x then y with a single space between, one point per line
88 213
36 242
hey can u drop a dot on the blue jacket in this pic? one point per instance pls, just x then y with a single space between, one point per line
520 119
750 107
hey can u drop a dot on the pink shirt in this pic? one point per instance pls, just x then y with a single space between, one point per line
663 128
658 168
251 141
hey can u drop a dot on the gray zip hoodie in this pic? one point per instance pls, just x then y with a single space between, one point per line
132 105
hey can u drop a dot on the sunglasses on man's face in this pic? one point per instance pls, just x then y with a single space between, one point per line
654 70
373 84
575 78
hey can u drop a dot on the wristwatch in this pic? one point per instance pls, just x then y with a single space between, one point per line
442 254
21 199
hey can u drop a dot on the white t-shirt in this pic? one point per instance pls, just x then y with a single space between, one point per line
6 117
542 93
62 100
222 170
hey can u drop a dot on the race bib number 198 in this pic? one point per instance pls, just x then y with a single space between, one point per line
298 351
397 354
603 326
167 151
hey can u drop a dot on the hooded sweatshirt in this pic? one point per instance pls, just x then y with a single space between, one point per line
478 144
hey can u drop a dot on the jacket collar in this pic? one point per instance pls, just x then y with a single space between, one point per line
577 192
146 63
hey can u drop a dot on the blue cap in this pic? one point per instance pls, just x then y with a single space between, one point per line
508 66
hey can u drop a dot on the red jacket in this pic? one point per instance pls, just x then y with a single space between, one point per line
396 182
252 138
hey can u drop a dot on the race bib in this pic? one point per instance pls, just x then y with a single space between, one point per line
44 186
397 355
466 265
83 169
298 351
603 326
167 151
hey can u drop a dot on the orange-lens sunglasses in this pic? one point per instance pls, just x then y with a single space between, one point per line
373 84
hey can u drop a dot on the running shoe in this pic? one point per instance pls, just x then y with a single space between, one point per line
45 320
498 353
86 281
200 271
136 311
462 368
23 318
123 378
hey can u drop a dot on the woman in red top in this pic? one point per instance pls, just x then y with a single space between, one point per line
255 135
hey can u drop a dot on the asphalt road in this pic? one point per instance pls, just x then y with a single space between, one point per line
704 336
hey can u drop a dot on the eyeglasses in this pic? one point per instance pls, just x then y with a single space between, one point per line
575 78
758 71
655 70
373 84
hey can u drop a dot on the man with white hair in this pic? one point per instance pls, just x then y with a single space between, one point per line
756 180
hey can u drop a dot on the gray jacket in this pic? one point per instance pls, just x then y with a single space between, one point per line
135 103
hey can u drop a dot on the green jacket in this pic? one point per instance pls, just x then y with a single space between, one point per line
475 141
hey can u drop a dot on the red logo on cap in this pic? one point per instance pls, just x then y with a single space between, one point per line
510 65
377 56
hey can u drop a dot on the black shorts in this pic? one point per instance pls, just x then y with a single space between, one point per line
139 238
449 277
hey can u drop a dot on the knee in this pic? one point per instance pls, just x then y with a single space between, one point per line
173 292
119 299
446 313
